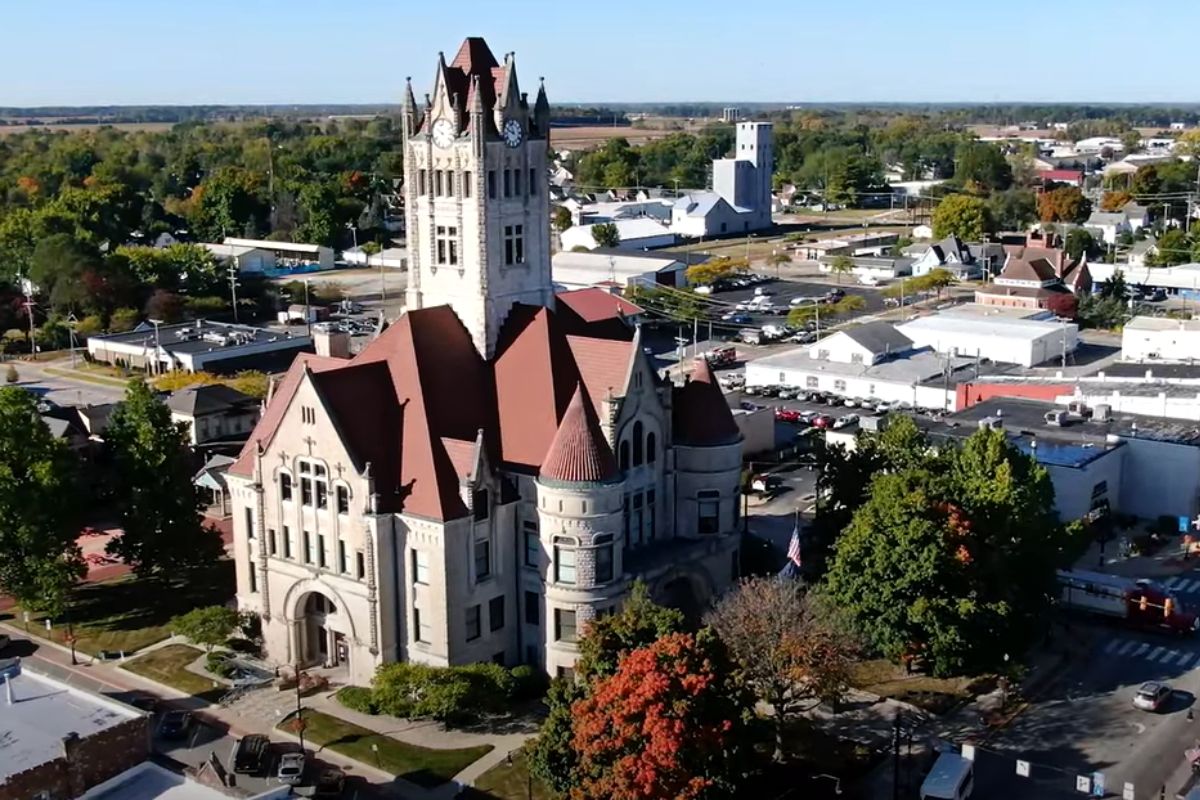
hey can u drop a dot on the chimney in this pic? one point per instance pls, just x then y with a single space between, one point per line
330 342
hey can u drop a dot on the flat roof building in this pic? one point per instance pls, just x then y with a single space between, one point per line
997 338
59 741
1160 339
290 256
571 270
197 346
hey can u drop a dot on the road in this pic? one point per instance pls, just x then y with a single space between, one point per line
62 390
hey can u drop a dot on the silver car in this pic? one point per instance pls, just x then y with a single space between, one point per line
291 768
1151 695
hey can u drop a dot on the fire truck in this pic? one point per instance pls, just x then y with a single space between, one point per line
1139 602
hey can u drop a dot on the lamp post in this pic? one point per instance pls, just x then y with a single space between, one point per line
72 321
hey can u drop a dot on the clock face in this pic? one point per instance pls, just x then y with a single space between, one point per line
513 133
443 133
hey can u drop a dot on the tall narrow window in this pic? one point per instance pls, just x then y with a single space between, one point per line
343 562
479 504
508 183
651 518
516 182
253 578
533 545
360 565
285 487
271 543
491 182
343 500
437 183
532 604
564 560
496 613
564 625
421 182
708 512
287 542
307 537
322 558
638 445
483 559
249 524
418 629
635 521
473 627
514 244
466 185
651 448
420 566
604 559
533 181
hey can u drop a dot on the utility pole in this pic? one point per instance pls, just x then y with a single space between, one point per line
157 344
234 269
307 311
71 323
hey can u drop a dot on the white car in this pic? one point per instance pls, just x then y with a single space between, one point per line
868 280
702 290
291 768
1151 695
845 421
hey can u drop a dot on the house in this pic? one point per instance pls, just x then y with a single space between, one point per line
579 270
1142 250
214 413
1108 225
964 261
486 476
1038 277
600 311
1136 215
1070 177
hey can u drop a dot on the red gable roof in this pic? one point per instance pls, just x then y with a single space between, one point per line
594 305
700 414
1061 175
579 452
475 60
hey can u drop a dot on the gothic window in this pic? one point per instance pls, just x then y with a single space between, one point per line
604 558
479 504
343 500
314 484
447 244
491 181
637 444
508 183
516 173
514 244
623 451
466 185
651 448
532 181
285 487
708 516
438 188
564 560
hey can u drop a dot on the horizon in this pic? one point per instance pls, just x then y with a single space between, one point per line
306 53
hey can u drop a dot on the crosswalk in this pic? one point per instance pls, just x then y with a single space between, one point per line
1163 654
1182 585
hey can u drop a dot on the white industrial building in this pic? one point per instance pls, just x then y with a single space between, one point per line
638 233
1182 279
578 270
389 258
198 346
244 258
869 361
289 255
1160 339
998 338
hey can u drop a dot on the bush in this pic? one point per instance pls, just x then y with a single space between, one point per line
448 694
219 664
530 683
357 698
11 375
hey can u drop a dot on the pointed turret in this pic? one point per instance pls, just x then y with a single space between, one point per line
579 452
409 114
541 110
701 415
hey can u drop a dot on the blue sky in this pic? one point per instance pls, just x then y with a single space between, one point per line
83 52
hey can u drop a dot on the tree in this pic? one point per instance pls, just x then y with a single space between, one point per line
562 218
709 272
605 234
11 375
981 165
1171 248
1115 201
961 215
953 557
777 259
1065 204
1013 209
552 757
1080 243
1113 288
607 639
123 319
847 306
153 490
841 265
936 280
668 723
39 508
787 645
209 626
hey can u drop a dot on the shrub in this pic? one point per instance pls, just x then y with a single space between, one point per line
530 683
11 375
219 664
357 698
447 694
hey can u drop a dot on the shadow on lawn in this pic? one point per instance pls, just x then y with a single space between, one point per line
130 603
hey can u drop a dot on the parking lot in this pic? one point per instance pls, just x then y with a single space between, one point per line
734 310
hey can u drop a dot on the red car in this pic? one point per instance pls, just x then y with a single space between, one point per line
787 415
822 421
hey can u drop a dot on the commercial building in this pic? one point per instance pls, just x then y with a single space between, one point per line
1182 280
869 361
57 741
638 233
618 268
243 258
199 346
999 338
290 257
858 244
487 475
1160 339
881 268
388 258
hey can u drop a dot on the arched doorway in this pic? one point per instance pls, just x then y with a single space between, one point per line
322 632
686 593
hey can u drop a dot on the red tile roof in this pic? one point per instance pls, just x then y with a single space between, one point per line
594 304
1020 269
700 414
603 364
1062 175
475 60
579 452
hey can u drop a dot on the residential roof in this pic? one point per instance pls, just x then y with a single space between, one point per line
595 305
700 415
43 712
1065 175
1106 218
879 337
1038 270
579 452
195 401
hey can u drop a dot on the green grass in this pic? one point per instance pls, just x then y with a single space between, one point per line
508 782
87 376
168 665
129 613
420 765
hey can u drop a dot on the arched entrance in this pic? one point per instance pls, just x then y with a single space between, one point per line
686 591
322 632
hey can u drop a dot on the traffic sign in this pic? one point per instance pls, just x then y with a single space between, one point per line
1127 792
1023 768
1083 784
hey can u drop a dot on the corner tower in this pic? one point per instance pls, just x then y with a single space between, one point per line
476 192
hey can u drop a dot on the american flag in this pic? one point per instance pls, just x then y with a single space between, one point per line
793 552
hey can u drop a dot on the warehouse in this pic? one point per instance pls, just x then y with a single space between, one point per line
1160 339
199 346
579 270
1000 338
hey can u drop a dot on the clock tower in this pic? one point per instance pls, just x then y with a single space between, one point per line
476 191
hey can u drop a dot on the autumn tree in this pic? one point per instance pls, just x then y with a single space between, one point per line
709 272
961 215
1115 200
1065 204
669 723
153 491
605 234
787 644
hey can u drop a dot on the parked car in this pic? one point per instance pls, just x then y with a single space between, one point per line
330 783
752 391
882 407
702 290
769 391
1157 296
833 400
291 768
251 754
867 405
787 415
175 725
822 421
764 484
851 402
807 417
845 421
787 393
1151 695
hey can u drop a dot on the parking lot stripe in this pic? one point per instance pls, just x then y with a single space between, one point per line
1154 654
1189 586
1169 656
1112 645
1174 582
1140 650
1185 658
1127 647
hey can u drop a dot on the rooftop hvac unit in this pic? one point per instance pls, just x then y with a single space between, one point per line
1057 417
1101 412
1078 407
216 337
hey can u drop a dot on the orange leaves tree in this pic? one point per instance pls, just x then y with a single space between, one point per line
669 723
1065 204
789 646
